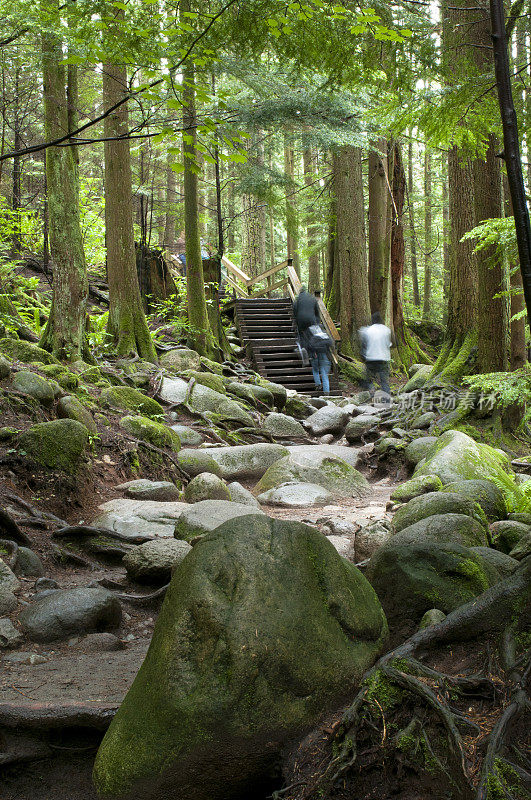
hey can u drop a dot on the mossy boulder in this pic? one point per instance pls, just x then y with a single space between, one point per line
282 426
297 407
128 399
457 457
410 579
522 549
246 460
318 467
457 528
361 426
504 564
207 400
420 448
263 629
152 562
59 444
419 379
427 505
241 390
486 493
262 394
211 366
180 359
71 408
65 378
205 516
150 431
206 486
196 461
188 435
416 487
278 391
206 379
35 386
5 368
506 534
27 352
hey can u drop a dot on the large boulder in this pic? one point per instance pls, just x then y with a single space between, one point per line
361 426
152 562
507 533
200 518
148 430
128 399
329 419
420 448
485 493
70 407
187 435
139 519
206 486
263 629
427 505
206 379
415 487
25 351
296 495
206 400
419 379
412 578
35 386
180 359
174 390
246 460
317 466
194 462
65 612
458 457
59 444
457 528
283 426
143 489
8 585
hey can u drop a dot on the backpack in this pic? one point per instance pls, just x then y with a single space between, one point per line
319 341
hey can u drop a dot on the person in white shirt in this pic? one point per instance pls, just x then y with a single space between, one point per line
376 346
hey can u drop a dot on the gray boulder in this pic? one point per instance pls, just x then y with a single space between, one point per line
139 518
371 537
506 534
329 419
239 494
344 546
361 426
28 564
458 457
296 495
456 528
70 407
349 454
8 585
424 420
486 493
243 391
207 400
152 562
143 489
174 390
522 549
505 565
427 505
246 460
187 435
9 635
420 448
317 466
283 426
180 359
64 612
298 407
206 487
35 386
263 629
207 515
415 487
194 462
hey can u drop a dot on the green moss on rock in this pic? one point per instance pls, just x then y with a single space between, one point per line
58 444
206 379
26 352
35 386
415 487
150 431
129 399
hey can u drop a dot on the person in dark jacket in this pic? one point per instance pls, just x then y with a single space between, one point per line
320 347
306 313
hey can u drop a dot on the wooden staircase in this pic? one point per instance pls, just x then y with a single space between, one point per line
268 332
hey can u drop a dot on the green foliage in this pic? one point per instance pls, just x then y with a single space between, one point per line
505 388
92 219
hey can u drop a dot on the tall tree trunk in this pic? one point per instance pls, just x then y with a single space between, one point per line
332 291
292 217
231 211
428 237
348 187
410 192
518 345
197 310
127 323
17 168
446 233
171 198
65 329
379 231
254 217
314 278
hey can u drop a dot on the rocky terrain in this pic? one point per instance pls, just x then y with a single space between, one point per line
289 543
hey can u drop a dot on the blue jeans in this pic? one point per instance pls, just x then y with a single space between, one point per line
377 372
320 368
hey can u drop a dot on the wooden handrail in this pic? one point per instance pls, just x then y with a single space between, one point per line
277 285
327 320
267 273
235 270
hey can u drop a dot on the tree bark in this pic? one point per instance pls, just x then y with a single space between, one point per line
170 220
413 249
518 344
355 304
314 278
127 322
197 310
379 231
292 217
428 237
65 329
254 217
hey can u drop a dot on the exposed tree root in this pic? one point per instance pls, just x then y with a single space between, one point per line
82 531
400 674
10 529
48 716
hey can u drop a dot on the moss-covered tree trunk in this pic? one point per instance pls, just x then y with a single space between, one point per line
412 232
493 310
314 278
379 231
428 236
254 216
171 200
127 322
65 329
292 215
332 293
351 252
197 311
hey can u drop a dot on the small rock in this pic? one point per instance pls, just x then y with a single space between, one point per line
99 642
296 495
70 407
371 537
143 489
5 368
329 419
344 546
188 436
432 617
9 635
342 527
206 487
239 494
25 658
283 426
152 562
35 386
328 438
28 563
45 583
69 611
